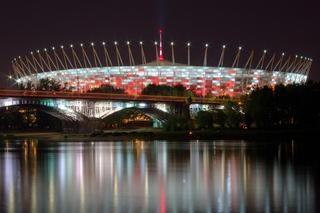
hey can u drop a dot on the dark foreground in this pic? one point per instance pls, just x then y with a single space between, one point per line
148 134
158 176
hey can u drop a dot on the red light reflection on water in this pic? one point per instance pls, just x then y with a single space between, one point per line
152 177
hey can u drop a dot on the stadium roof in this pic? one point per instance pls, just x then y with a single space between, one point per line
163 63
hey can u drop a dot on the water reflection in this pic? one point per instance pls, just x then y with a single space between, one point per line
153 176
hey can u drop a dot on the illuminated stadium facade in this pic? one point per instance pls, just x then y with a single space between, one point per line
86 67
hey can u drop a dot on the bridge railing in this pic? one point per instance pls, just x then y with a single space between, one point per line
110 96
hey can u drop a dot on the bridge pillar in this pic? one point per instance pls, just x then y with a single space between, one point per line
181 109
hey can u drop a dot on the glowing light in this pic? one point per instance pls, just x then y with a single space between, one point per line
38 51
224 46
103 43
264 51
62 46
53 48
161 58
45 49
92 44
87 78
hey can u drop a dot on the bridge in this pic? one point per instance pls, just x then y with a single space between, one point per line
111 97
71 107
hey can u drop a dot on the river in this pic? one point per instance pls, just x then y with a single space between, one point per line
157 176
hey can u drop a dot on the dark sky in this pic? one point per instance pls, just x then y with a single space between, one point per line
290 26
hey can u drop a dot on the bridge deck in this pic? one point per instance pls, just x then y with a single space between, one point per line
108 96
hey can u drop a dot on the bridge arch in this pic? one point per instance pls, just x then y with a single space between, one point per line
35 116
136 117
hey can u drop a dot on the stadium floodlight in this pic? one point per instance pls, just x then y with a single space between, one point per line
188 44
141 42
224 46
282 54
38 51
240 48
45 49
53 48
264 51
155 43
115 43
207 45
92 44
71 45
81 45
103 43
128 42
30 53
171 43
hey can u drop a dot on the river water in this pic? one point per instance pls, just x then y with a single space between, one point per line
157 176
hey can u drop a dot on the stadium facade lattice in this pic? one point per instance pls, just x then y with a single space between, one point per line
89 66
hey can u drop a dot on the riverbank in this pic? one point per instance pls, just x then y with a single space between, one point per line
156 134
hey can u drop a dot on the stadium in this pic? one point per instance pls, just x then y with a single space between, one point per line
84 67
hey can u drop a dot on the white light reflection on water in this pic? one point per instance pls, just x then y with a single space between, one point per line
153 176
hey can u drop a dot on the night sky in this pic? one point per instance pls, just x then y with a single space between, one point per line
275 25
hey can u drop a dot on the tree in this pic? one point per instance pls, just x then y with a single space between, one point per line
284 106
233 115
259 107
165 90
108 89
25 86
219 118
49 84
176 123
204 120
